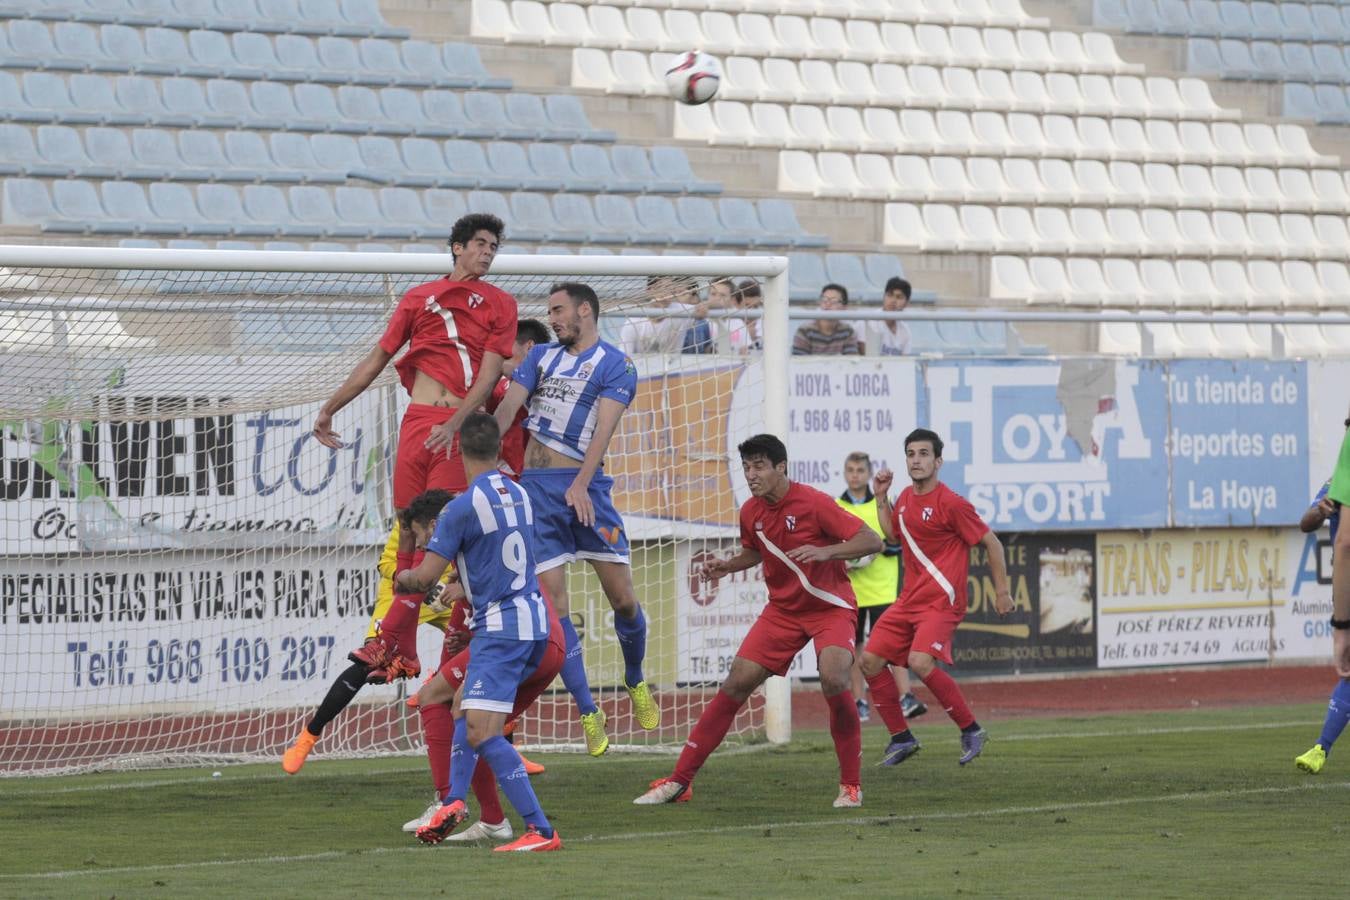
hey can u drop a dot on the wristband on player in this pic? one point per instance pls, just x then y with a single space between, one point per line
1340 624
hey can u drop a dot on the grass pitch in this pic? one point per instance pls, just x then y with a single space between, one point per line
1201 803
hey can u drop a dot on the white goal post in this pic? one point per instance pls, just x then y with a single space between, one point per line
179 577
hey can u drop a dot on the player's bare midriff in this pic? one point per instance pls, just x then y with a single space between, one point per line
428 390
537 456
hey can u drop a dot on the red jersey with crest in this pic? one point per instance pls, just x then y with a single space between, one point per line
450 324
513 441
936 531
805 516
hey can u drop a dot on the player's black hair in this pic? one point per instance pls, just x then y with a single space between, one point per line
580 293
901 285
479 437
425 507
531 330
765 445
466 227
923 434
843 291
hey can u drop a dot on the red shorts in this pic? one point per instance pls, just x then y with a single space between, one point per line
925 630
777 635
418 469
530 688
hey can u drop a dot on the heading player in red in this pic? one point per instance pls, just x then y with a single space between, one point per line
802 537
460 329
935 527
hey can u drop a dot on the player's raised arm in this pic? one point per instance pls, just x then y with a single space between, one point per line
881 486
365 372
998 570
607 413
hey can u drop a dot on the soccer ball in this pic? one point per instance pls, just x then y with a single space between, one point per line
694 78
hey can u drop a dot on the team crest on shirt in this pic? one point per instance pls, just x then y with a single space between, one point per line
927 513
791 522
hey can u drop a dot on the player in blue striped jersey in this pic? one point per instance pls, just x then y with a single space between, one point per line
576 391
488 531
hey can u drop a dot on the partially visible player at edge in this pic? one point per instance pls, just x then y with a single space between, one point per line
936 527
577 389
460 329
802 537
1326 507
489 532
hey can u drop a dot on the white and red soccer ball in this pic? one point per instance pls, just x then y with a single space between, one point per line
694 77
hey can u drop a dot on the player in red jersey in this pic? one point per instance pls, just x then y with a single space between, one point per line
935 527
802 537
460 329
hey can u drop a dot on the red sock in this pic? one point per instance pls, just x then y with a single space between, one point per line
949 695
438 730
847 733
886 700
708 732
484 786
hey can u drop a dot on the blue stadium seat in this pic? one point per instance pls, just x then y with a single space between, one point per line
578 221
139 96
19 155
125 202
61 154
358 206
847 269
225 205
617 214
593 170
567 115
806 276
402 205
672 164
790 231
443 207
96 92
294 161
184 97
48 93
740 220
425 158
444 115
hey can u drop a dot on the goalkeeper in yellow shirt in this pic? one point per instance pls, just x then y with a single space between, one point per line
875 580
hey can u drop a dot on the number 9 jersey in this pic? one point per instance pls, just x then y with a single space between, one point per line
488 531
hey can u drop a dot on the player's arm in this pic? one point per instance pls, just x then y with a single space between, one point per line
420 579
489 373
881 485
998 570
863 543
366 371
578 496
748 558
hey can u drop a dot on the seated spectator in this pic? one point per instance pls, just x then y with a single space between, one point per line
744 334
668 334
889 337
827 337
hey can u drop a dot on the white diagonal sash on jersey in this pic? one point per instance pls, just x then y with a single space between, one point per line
926 562
818 593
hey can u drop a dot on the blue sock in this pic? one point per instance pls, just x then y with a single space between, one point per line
515 784
632 635
1338 714
574 670
462 760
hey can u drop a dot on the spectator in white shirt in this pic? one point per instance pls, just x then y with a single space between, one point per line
889 337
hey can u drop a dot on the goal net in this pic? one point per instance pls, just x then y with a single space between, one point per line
183 569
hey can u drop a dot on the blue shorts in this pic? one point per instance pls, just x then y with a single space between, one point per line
559 537
497 668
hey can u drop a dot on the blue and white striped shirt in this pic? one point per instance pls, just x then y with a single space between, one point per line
565 392
489 532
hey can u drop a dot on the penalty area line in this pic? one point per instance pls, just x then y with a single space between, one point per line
1181 797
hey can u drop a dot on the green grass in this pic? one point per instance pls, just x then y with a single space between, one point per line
1199 803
